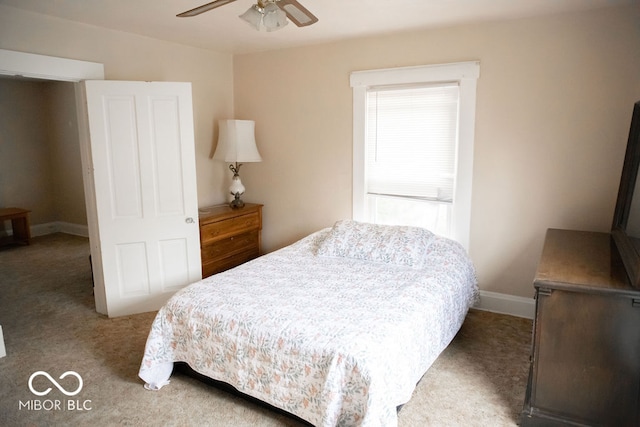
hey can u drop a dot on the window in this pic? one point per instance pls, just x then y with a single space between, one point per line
413 146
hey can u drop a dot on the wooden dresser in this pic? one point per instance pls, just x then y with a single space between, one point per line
229 237
585 359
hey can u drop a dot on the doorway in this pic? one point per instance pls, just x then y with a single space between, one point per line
41 67
41 164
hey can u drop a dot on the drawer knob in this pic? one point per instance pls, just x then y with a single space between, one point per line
189 220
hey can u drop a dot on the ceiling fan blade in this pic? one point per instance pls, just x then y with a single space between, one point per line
297 13
204 8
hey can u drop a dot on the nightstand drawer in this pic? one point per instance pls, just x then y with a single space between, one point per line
230 246
216 231
229 237
221 265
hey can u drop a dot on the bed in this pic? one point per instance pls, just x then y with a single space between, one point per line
336 329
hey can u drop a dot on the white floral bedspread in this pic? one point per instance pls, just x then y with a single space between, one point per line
335 341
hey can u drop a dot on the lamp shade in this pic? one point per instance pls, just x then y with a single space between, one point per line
237 142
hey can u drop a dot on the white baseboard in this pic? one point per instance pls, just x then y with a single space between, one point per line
59 227
507 304
43 229
75 229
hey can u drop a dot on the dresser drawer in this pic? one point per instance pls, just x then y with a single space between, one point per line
219 230
230 246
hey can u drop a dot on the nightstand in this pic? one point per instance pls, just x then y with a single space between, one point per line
229 237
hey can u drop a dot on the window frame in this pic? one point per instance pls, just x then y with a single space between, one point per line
466 75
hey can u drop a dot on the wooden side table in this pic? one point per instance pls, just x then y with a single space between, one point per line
19 223
229 237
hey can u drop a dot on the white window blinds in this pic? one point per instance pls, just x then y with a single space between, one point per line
411 139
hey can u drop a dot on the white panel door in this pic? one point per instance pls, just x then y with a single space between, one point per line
146 210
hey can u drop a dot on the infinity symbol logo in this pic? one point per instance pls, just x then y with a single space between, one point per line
54 382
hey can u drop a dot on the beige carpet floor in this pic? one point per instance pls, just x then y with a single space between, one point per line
49 323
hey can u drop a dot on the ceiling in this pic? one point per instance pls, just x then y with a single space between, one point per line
221 30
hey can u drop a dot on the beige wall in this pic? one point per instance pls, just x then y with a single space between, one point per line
131 57
40 151
68 188
554 104
26 169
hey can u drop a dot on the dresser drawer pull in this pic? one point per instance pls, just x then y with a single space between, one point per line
635 303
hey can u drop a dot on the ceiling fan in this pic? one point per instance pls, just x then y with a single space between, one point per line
271 14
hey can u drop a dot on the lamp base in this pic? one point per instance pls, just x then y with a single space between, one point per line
236 202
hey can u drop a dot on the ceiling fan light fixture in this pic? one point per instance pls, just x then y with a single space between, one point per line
274 18
265 15
253 17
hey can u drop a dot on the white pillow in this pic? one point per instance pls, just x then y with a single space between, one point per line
390 244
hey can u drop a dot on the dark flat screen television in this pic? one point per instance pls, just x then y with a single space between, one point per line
626 218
